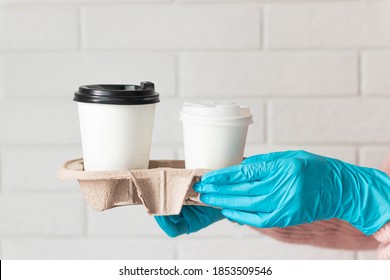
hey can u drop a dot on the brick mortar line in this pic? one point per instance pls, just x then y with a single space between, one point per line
262 28
191 51
178 2
342 98
79 29
85 219
266 129
176 255
49 192
334 49
358 156
295 98
355 255
319 145
177 75
359 74
1 169
156 3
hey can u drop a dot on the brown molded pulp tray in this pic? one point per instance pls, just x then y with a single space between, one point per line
163 188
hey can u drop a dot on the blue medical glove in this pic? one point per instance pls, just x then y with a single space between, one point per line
295 187
190 219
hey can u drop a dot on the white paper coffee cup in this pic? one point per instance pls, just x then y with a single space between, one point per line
116 123
214 134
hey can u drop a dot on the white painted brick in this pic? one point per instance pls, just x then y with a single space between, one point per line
374 156
39 79
345 153
131 68
163 152
38 28
129 221
36 168
367 255
87 249
376 72
309 73
247 1
1 78
133 221
205 1
328 25
240 1
77 1
327 121
56 121
171 27
27 121
180 153
254 248
75 69
39 213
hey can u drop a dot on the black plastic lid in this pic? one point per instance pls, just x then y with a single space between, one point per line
118 94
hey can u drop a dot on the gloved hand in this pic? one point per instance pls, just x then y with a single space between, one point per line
296 187
190 219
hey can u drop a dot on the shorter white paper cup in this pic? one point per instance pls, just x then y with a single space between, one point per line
214 134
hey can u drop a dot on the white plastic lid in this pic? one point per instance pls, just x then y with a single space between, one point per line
216 113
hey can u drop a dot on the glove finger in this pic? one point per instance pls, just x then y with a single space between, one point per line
253 188
172 225
239 173
190 219
199 217
260 220
243 203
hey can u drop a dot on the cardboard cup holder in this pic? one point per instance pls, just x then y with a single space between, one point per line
163 188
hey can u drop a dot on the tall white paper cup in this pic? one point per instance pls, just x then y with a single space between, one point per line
214 134
116 123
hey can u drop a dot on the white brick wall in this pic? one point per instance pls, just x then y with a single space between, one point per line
29 169
26 213
268 74
78 1
374 156
367 255
38 28
255 248
87 248
343 152
84 68
336 120
315 73
1 78
334 25
38 121
376 72
171 27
